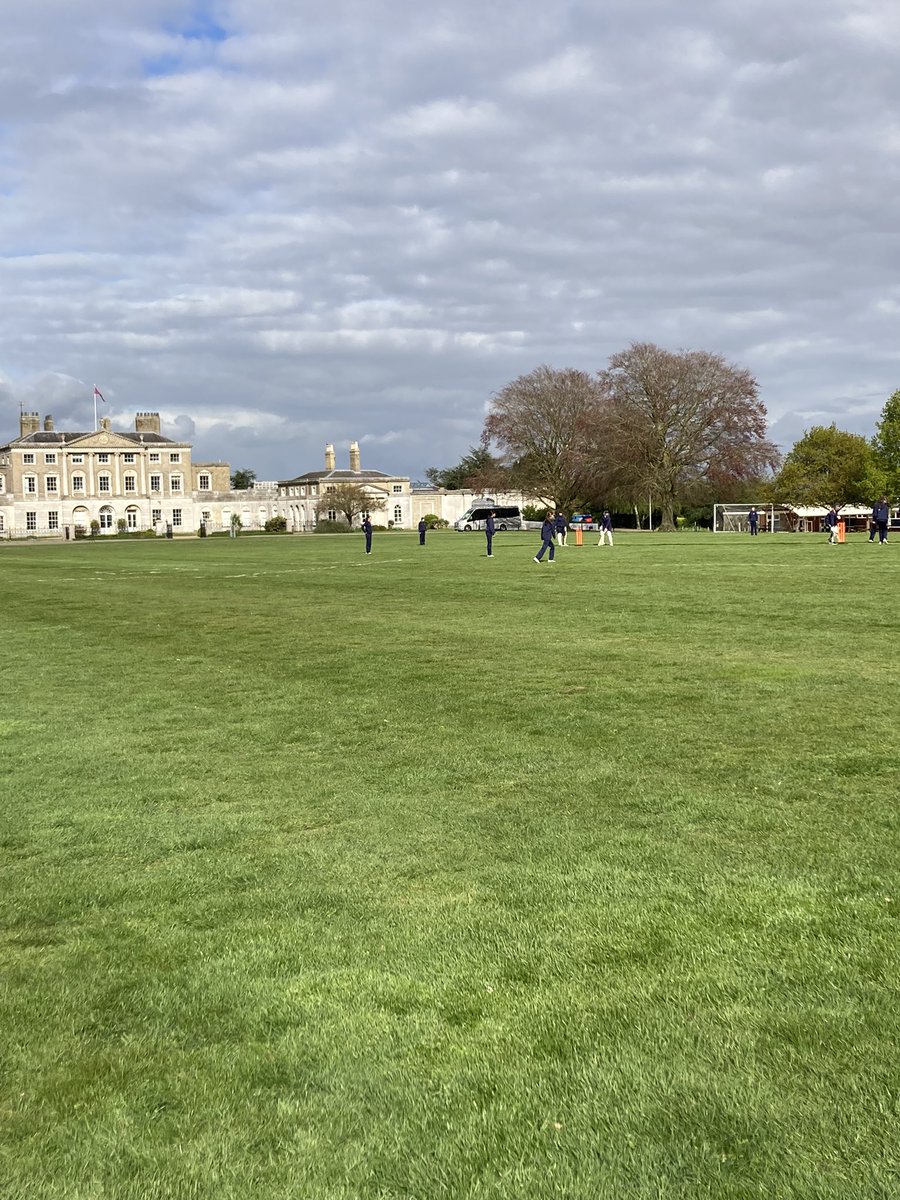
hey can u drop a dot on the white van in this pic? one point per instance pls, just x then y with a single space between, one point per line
506 516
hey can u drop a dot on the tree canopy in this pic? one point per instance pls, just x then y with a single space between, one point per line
242 479
349 500
543 424
830 466
479 468
674 421
886 444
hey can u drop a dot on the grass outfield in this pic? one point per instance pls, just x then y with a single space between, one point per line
428 876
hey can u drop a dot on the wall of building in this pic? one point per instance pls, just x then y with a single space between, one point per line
450 505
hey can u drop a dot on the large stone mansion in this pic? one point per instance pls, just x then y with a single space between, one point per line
55 482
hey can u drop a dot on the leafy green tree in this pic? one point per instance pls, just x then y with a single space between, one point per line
243 479
886 444
830 466
473 468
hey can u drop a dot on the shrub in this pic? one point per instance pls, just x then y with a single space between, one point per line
95 528
80 531
122 525
276 525
534 512
433 521
332 527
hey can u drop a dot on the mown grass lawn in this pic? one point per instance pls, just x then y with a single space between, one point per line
429 876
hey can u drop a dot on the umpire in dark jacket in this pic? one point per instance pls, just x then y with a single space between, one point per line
881 515
489 534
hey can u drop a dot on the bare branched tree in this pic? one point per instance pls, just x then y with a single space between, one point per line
676 420
349 500
542 423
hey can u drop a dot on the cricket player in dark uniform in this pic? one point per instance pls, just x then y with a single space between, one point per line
547 531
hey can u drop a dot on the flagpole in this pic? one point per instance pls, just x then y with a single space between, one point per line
95 408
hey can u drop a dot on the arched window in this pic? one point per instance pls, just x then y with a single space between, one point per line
106 517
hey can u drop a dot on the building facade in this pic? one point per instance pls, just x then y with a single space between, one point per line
61 484
303 498
54 482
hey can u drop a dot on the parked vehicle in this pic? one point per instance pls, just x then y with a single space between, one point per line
506 516
583 521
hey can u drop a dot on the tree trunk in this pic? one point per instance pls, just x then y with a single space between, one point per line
667 524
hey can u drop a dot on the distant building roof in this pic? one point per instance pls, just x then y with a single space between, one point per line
338 477
60 438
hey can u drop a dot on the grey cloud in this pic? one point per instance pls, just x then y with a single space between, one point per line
362 225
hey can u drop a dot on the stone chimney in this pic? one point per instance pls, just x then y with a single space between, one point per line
354 456
29 423
329 457
146 422
49 427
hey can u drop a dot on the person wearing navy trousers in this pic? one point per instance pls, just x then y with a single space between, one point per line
547 531
881 516
489 534
753 522
422 527
367 530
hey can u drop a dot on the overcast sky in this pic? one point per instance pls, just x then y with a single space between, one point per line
283 223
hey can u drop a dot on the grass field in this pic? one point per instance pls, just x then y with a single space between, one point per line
428 876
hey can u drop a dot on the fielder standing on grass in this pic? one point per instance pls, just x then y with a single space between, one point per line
489 533
546 538
562 528
831 524
605 528
422 527
367 530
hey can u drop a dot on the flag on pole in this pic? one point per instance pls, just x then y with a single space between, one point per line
98 394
